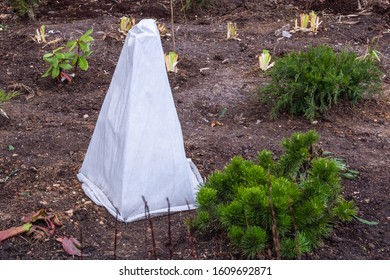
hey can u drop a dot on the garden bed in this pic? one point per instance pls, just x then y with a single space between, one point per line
43 143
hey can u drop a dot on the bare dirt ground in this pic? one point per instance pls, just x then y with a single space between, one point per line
50 127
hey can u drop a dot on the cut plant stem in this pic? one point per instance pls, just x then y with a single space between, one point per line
314 22
154 251
232 30
126 23
171 61
145 233
40 35
173 28
13 231
185 33
81 243
264 61
304 20
116 234
191 238
169 231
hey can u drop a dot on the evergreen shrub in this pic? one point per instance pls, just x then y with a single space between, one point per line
25 7
290 203
310 82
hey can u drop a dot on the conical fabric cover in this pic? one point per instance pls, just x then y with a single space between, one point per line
137 149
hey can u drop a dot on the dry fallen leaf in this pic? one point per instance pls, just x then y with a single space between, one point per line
216 123
71 246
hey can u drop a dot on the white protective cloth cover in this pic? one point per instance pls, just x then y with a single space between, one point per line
137 146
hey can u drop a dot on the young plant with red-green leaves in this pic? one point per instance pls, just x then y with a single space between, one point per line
81 46
59 64
65 61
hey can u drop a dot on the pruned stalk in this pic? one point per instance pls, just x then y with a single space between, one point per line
146 232
13 231
191 237
171 61
81 243
173 28
126 23
40 35
185 32
231 30
116 234
304 20
264 60
169 231
162 29
314 22
154 251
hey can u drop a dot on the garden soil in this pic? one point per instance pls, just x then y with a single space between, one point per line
44 141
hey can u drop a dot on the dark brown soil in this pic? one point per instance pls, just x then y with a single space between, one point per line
50 127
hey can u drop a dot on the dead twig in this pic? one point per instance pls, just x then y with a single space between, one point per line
145 234
154 251
116 234
81 243
53 42
185 29
173 29
191 237
169 231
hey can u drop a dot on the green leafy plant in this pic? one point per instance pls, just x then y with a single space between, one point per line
345 170
310 82
82 48
59 62
371 51
286 206
73 55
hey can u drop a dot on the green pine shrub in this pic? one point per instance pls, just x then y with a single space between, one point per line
25 7
305 190
310 82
